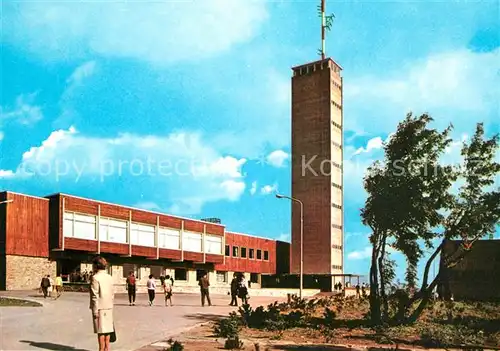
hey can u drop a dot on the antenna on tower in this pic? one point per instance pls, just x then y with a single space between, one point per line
326 25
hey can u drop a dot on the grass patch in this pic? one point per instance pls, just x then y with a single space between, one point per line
8 302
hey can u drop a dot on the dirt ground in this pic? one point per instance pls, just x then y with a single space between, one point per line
201 338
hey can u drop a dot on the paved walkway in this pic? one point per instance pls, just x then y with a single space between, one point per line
66 324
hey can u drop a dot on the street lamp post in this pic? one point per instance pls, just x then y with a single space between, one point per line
279 196
6 202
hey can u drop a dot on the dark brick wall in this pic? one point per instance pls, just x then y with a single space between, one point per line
311 138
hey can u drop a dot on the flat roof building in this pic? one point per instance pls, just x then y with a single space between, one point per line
60 233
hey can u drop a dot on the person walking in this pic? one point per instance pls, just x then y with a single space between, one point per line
151 289
234 290
59 286
50 289
101 303
44 285
204 284
167 288
131 288
243 289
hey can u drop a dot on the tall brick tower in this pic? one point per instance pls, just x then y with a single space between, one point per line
317 150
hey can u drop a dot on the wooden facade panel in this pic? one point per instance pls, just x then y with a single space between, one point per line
238 264
143 251
215 229
114 248
80 244
144 217
193 256
27 226
114 212
170 222
74 204
217 259
171 254
193 226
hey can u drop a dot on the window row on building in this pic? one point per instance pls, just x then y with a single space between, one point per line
250 253
83 226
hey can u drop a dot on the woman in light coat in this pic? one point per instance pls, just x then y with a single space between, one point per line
101 303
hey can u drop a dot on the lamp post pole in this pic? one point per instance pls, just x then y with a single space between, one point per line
301 284
6 202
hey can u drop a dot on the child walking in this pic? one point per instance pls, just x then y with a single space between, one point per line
167 287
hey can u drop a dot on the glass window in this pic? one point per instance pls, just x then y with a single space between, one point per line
259 254
169 238
235 251
213 244
251 253
79 226
243 252
228 250
112 230
156 271
180 274
266 255
143 235
192 241
221 277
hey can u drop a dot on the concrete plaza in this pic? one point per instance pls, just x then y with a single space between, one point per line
66 324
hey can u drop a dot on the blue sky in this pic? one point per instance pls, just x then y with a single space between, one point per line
184 107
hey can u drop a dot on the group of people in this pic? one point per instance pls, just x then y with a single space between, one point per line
239 288
50 288
102 297
166 283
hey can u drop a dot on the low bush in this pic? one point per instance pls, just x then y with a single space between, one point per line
233 343
228 327
442 335
175 345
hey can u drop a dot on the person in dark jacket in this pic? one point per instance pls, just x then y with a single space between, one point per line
234 291
205 293
131 288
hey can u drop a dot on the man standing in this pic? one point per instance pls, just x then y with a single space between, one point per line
131 288
234 291
44 285
204 284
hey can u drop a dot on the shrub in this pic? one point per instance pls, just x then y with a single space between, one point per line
233 343
329 316
438 335
175 345
228 327
294 319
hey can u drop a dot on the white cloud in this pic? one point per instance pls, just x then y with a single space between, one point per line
253 189
82 72
361 254
24 111
450 86
160 32
268 189
277 158
373 144
287 237
6 174
179 167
